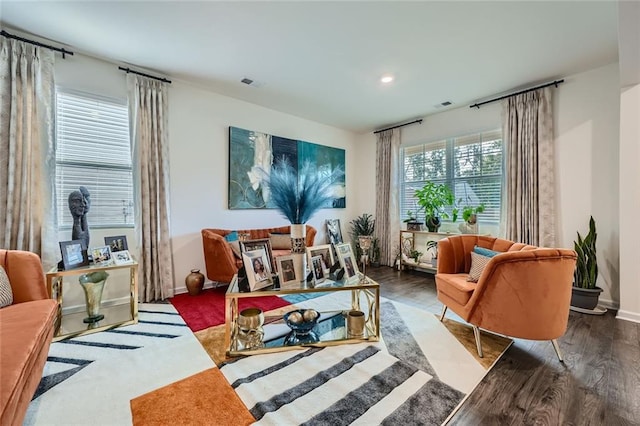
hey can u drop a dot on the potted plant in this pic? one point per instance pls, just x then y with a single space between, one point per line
412 221
470 217
363 225
432 199
415 255
585 293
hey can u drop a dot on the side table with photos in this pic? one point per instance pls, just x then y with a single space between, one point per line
99 297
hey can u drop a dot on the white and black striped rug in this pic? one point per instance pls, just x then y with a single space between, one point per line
91 379
417 375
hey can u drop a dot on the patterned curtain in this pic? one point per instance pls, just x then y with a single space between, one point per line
148 107
26 149
387 228
530 186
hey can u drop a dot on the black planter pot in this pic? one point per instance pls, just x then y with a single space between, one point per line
433 223
585 298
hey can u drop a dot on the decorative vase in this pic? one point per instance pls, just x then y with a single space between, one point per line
194 282
93 285
298 248
433 223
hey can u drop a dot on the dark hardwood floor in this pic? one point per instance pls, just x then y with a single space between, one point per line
599 383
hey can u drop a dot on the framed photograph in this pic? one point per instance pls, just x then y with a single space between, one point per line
317 268
334 234
101 255
348 261
259 244
117 243
122 257
288 271
326 254
258 269
74 254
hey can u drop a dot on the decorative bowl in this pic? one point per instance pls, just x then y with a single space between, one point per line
301 321
250 319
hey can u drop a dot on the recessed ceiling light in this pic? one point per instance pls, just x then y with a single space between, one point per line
386 79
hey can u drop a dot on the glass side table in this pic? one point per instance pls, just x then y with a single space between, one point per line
118 305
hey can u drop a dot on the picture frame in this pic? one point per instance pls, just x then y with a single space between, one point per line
122 257
101 255
318 269
334 234
289 272
257 244
258 269
325 252
74 254
116 243
348 262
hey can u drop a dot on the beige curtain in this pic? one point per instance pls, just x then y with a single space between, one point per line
529 180
387 228
26 149
148 108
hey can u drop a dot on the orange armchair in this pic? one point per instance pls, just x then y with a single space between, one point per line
26 329
523 292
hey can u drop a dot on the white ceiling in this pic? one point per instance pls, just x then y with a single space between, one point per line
323 60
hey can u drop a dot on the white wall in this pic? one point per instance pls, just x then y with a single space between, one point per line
629 203
586 118
199 123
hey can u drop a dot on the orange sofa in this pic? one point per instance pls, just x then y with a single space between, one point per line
524 292
26 330
219 259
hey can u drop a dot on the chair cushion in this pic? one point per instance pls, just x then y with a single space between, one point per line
478 263
456 287
6 294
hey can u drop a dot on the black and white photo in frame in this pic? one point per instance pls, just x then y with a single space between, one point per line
326 254
347 262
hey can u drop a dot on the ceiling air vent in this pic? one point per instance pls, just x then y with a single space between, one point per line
446 103
247 81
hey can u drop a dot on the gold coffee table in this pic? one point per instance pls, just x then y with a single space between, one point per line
331 328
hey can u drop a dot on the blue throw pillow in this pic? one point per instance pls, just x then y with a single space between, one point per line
232 236
485 252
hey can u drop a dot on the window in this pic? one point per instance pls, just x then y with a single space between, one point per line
93 150
471 166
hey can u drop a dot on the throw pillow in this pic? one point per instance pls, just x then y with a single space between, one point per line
280 241
234 242
478 263
485 252
6 295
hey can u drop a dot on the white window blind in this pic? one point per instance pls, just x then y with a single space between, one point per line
93 150
471 166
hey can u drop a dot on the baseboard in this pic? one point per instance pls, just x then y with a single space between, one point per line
81 308
208 284
628 316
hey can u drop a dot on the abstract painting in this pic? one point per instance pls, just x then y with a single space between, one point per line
252 154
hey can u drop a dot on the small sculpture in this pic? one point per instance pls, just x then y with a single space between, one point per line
79 205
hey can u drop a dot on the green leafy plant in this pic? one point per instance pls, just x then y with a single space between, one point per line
468 211
586 273
415 255
411 216
364 225
432 199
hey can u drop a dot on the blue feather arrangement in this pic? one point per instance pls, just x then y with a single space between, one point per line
299 195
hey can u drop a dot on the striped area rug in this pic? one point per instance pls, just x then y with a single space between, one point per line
418 374
91 379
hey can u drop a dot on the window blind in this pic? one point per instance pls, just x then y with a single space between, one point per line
93 150
470 165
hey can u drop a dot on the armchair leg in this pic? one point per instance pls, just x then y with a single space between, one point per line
557 349
444 311
476 333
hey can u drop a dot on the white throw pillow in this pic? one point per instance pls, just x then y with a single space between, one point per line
6 294
478 263
280 241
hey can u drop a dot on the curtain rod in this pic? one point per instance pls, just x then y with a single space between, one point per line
399 125
128 70
553 83
37 43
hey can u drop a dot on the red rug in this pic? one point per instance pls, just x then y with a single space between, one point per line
207 308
